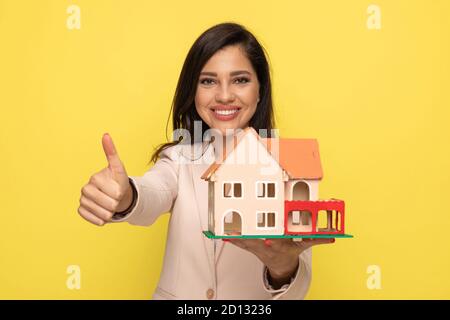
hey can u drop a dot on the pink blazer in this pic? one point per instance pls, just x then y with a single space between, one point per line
196 267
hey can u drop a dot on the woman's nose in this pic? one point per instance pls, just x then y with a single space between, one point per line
225 94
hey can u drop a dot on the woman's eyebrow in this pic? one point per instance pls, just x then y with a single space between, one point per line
233 73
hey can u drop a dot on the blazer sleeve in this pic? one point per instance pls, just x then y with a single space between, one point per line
156 190
300 283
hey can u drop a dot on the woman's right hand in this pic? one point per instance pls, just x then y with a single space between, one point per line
108 191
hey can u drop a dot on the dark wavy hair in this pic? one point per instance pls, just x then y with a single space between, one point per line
206 45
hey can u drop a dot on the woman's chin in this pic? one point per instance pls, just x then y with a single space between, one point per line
228 129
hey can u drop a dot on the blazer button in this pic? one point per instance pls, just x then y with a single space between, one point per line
210 294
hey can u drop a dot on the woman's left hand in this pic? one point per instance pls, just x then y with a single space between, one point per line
279 255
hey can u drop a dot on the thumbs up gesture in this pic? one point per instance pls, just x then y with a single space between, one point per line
108 191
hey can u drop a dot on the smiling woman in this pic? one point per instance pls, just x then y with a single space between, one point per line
231 92
231 73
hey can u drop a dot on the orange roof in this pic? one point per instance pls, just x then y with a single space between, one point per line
300 158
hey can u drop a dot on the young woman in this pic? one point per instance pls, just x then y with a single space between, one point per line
224 84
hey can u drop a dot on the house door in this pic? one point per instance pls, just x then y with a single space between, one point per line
232 223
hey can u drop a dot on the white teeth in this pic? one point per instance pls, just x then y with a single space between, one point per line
225 112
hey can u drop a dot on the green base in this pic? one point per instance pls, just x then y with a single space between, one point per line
211 235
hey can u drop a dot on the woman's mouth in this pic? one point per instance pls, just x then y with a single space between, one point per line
226 114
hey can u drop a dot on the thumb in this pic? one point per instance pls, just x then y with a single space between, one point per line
307 243
114 162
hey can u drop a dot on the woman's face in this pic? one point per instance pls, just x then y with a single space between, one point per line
228 90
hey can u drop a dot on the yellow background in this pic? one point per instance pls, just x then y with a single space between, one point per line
377 101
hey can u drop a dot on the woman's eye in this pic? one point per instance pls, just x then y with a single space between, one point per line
243 78
206 79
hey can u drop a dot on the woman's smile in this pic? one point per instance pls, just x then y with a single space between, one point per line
225 113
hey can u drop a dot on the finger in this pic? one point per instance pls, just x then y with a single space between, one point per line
111 154
318 241
107 185
245 246
90 217
100 198
308 243
253 245
278 244
256 246
95 209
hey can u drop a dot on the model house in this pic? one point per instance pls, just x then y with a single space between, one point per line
268 187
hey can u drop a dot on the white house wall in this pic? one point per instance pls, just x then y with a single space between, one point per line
234 170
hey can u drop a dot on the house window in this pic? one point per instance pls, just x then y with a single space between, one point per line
299 221
232 190
265 189
328 221
265 219
301 218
